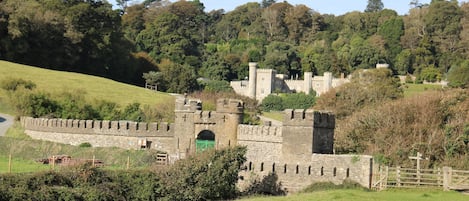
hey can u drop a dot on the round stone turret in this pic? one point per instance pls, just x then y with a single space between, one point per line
252 80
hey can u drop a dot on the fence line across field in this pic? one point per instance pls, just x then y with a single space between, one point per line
398 177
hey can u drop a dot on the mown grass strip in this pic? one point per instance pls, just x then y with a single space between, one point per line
361 195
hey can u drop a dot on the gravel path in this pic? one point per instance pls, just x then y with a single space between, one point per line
5 122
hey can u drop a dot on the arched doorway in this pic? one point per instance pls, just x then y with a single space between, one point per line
205 140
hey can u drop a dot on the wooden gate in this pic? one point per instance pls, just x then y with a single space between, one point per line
202 145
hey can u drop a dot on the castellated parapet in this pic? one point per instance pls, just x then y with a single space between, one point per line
125 134
184 104
117 128
300 151
230 106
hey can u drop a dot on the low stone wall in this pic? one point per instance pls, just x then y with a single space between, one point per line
322 168
123 134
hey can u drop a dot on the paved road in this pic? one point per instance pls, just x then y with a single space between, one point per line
5 122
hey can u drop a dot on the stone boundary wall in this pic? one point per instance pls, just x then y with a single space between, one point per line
260 133
322 168
95 127
263 142
123 134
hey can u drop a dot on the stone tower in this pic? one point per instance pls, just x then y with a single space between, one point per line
184 139
230 115
252 80
327 81
197 130
306 132
308 82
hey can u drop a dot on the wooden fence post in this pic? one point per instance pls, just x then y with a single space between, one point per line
387 177
9 163
398 176
439 177
447 174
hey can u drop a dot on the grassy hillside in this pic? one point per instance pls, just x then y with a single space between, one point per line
95 87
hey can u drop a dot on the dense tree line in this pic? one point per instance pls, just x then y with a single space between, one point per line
186 42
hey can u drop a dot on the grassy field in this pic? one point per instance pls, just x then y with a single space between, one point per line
361 195
95 88
25 151
412 89
274 115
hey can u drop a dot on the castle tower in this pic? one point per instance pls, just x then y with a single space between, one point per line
308 82
229 116
252 80
306 132
327 81
184 139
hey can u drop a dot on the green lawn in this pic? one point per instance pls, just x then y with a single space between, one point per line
95 88
360 195
20 165
412 89
25 151
277 115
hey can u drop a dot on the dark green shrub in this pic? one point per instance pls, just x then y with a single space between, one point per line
107 110
12 84
272 103
430 74
458 76
139 184
216 86
211 175
36 104
132 112
73 105
299 100
85 144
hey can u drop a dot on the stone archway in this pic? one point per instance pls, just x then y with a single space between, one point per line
205 140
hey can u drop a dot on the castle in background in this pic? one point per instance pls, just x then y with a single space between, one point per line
263 82
300 152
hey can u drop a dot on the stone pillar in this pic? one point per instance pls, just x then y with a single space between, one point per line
308 82
252 80
327 81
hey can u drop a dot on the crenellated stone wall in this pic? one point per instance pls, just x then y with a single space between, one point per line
300 151
262 141
295 176
125 134
263 82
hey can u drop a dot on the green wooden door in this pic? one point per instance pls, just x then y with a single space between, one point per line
202 145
